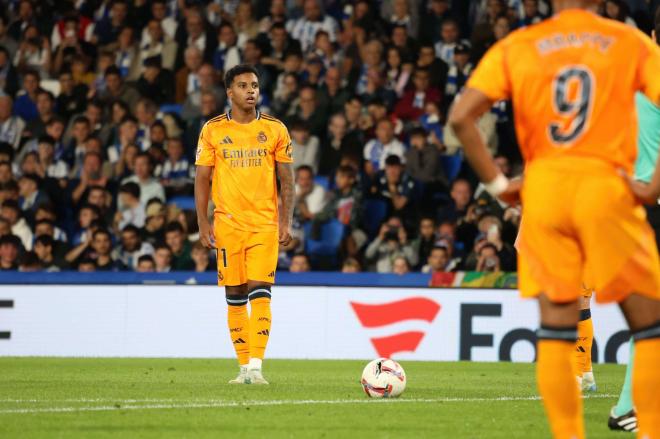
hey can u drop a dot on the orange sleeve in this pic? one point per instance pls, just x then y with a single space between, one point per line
205 155
283 146
490 77
648 72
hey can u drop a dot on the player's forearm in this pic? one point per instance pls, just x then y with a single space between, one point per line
287 191
202 190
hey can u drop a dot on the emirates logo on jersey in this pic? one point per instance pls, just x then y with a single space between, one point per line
261 137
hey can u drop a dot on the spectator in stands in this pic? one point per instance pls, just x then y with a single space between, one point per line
380 148
337 143
532 15
299 263
396 187
5 228
200 256
400 266
98 196
423 161
44 249
488 260
29 262
108 28
8 76
154 227
286 94
392 241
87 265
375 90
309 112
6 173
31 197
310 196
72 97
156 82
156 44
502 27
304 28
461 195
253 54
425 240
45 105
116 89
19 226
48 166
97 249
187 79
159 13
91 175
127 135
150 187
132 247
397 71
11 126
458 74
192 107
176 172
86 215
227 54
181 248
25 105
163 258
146 264
412 103
306 148
130 208
437 261
9 191
449 39
351 265
10 246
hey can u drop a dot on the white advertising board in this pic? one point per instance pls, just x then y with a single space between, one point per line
308 322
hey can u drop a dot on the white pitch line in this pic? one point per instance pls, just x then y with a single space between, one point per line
226 404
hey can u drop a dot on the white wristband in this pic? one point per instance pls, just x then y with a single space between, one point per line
498 185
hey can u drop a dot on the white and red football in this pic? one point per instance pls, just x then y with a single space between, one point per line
383 378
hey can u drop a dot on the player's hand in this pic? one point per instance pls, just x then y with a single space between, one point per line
206 236
642 191
285 235
511 195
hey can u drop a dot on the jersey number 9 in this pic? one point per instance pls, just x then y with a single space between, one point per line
572 100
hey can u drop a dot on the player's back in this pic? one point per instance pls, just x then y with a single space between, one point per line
572 80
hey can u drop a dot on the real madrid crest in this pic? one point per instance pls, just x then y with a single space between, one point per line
261 137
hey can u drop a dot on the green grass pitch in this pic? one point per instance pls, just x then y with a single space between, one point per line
179 398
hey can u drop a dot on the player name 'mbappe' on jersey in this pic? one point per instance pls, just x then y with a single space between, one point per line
244 158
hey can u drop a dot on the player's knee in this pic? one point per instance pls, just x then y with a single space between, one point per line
650 332
259 291
236 292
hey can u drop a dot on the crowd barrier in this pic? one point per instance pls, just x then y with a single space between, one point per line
309 322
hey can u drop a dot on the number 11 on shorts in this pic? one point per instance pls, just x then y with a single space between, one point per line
224 257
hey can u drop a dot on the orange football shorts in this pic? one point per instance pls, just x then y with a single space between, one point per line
582 226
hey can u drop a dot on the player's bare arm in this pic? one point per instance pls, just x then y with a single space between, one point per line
463 118
202 189
287 192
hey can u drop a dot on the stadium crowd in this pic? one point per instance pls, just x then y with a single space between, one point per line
102 101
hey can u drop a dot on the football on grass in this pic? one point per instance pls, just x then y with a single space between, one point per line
383 378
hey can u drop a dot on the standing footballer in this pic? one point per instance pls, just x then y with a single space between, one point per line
239 155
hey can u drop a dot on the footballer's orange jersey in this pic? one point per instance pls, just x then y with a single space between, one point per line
572 80
244 157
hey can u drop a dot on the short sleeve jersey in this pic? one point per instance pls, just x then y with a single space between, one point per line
572 80
244 178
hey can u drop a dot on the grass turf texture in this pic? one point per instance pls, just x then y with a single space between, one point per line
162 398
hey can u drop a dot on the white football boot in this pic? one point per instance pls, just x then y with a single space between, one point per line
242 377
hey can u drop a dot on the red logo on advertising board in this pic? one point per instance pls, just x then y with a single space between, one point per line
377 315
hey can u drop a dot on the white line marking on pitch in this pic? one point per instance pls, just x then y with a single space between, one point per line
224 403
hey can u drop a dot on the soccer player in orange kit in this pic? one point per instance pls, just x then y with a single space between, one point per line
572 80
242 152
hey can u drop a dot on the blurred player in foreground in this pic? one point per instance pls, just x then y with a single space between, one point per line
572 80
622 416
241 152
